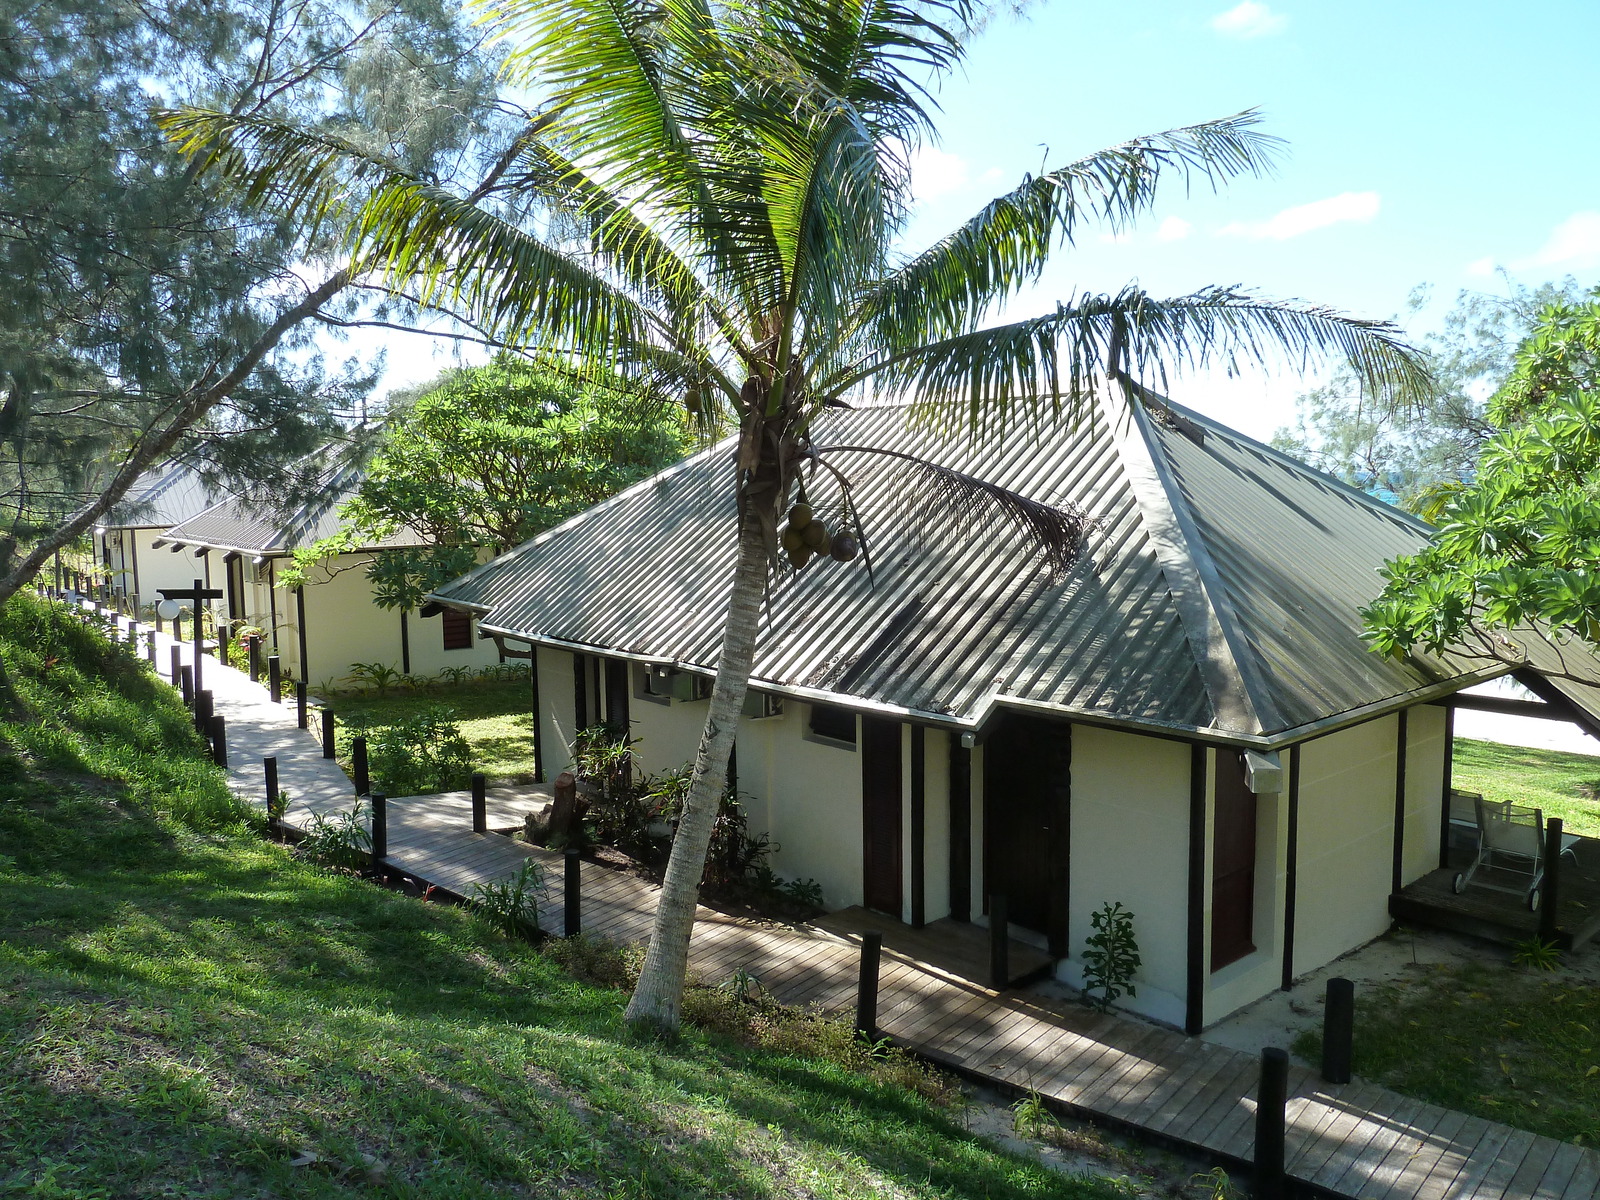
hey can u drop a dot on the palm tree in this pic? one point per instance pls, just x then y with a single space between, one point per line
706 207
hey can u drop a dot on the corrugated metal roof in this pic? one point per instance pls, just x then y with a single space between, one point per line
162 497
1219 595
247 528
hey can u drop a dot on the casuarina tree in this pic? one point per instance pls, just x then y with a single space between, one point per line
709 207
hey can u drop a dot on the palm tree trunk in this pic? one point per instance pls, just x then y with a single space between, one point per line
658 996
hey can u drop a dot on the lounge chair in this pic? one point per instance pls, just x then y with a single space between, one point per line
1510 843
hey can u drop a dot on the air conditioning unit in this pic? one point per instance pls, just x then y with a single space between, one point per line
663 679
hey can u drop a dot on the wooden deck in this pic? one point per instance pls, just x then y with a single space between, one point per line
1499 916
1357 1140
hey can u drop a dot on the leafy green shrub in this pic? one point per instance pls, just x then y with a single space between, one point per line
1110 956
596 960
340 840
512 905
419 754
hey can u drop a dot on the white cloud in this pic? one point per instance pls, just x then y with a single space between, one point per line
1121 238
1249 19
936 172
1303 218
1173 229
1481 266
1573 243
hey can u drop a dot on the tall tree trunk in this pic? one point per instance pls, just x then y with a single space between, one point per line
658 998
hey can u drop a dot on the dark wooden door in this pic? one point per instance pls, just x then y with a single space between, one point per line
1233 864
880 808
1026 785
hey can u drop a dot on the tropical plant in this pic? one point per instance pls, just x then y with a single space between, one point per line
338 839
421 753
705 211
1110 956
511 905
380 677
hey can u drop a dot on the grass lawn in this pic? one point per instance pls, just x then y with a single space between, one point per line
1493 1040
193 1012
1546 779
496 718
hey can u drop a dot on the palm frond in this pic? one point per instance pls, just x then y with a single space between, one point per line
947 288
1058 531
1063 357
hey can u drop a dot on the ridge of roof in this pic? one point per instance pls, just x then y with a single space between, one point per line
1239 698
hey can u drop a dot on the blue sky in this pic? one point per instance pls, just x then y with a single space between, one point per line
1426 143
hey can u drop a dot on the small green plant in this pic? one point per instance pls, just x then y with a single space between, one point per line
379 677
806 893
512 905
338 840
1537 954
1110 956
743 985
278 805
1031 1117
1214 1185
420 754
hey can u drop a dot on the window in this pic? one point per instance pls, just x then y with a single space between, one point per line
830 723
457 629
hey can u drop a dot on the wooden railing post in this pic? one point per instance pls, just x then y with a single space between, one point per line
275 678
867 987
186 684
218 727
1550 888
380 827
480 804
300 717
1338 1029
358 764
252 649
175 662
1272 1097
572 893
328 733
222 644
150 646
269 768
999 942
203 710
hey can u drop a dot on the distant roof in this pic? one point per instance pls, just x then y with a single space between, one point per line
246 528
162 497
1219 594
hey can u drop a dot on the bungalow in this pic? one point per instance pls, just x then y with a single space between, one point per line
129 544
1187 722
325 627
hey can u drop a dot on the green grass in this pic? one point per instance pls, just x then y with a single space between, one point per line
1546 779
1495 1041
191 1012
496 719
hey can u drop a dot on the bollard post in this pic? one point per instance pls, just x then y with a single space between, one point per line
300 718
218 729
186 682
1550 889
327 733
275 678
150 646
161 626
133 632
1271 1098
380 827
358 763
1338 1029
269 768
999 942
867 987
222 644
203 711
480 805
572 894
252 649
175 661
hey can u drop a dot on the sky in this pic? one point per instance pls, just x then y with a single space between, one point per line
1426 143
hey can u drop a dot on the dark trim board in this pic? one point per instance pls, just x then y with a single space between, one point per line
1194 1000
1448 787
538 714
300 617
1291 869
919 826
1401 741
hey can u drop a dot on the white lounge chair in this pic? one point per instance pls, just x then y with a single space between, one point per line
1510 842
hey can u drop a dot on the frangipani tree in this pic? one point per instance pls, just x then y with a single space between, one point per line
707 207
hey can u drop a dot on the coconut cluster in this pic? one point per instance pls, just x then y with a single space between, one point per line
806 536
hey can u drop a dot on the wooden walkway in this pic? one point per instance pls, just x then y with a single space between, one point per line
1357 1140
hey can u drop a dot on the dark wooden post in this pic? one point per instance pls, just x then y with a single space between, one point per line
300 718
203 710
867 987
1271 1098
150 646
999 942
161 625
252 647
269 768
218 728
358 763
174 660
1338 1029
480 804
199 632
380 827
222 644
275 678
1550 889
186 684
327 733
572 893
133 632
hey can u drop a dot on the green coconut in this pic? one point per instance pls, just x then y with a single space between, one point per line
800 516
816 536
799 558
793 539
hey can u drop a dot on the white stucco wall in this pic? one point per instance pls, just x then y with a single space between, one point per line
557 718
936 846
1346 841
139 566
1130 843
1425 757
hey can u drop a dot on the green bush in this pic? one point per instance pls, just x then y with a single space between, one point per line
417 755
